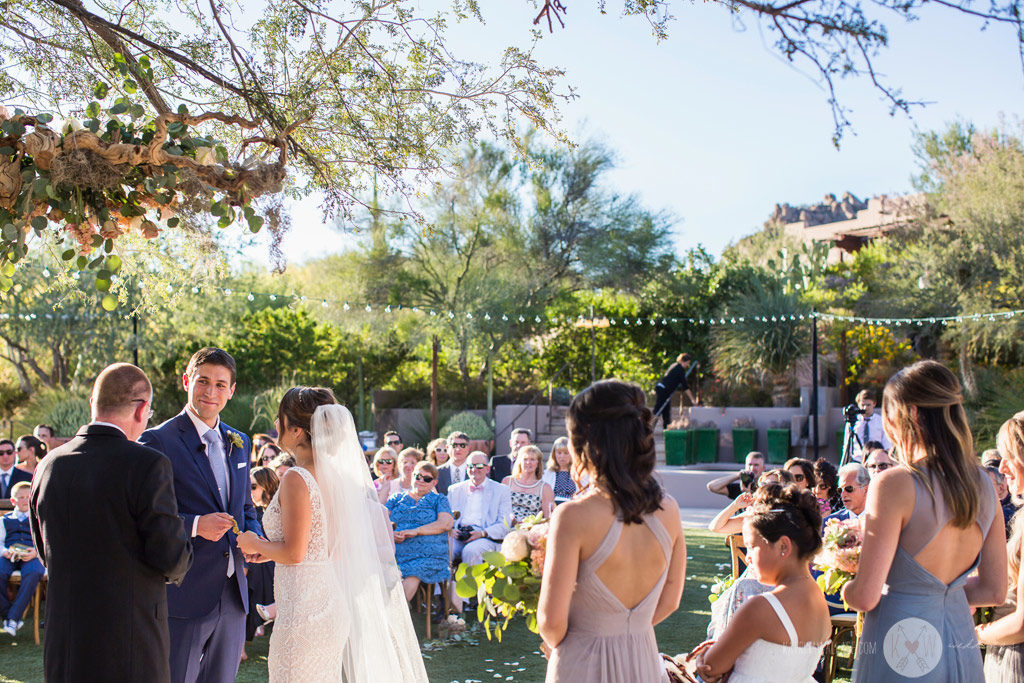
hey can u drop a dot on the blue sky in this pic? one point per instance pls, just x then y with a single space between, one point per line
713 126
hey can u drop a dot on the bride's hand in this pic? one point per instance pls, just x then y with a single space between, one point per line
247 543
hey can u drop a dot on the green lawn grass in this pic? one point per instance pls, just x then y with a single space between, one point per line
516 658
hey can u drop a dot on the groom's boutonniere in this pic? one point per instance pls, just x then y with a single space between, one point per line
235 439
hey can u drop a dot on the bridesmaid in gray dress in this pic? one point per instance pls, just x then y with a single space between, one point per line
1004 636
615 554
929 524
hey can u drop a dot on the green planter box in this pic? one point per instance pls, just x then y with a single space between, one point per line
679 447
705 443
778 446
743 441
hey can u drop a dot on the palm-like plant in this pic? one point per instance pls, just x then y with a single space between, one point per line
758 348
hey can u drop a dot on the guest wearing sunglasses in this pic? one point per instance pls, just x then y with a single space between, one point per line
878 461
386 468
267 453
853 489
802 472
422 519
437 452
393 440
454 471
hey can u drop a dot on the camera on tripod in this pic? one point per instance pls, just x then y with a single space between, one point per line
851 412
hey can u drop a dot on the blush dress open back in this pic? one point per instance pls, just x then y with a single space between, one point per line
922 629
605 641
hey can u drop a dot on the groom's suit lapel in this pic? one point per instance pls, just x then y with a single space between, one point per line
197 451
230 453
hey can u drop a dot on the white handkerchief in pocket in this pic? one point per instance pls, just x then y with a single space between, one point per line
240 465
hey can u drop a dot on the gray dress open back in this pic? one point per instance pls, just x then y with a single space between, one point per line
605 641
922 629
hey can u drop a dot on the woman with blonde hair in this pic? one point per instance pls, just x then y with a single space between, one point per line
1004 636
437 452
557 473
934 544
385 466
530 494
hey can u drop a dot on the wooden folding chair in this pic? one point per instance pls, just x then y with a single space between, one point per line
843 624
737 553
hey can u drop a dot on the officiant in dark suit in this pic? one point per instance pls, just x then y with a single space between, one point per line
211 481
106 525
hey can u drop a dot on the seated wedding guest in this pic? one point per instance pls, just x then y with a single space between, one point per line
730 519
263 483
485 509
878 461
258 442
267 453
407 461
9 474
779 635
385 466
454 471
530 493
30 451
422 519
501 465
282 464
19 554
826 487
47 435
732 485
1005 499
437 452
1003 637
802 471
853 489
775 476
393 440
991 458
933 546
616 554
558 474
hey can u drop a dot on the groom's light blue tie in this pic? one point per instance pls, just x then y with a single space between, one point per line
215 452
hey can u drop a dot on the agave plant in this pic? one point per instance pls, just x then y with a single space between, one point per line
769 336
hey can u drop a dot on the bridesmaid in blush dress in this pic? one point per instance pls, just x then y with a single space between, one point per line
616 556
934 540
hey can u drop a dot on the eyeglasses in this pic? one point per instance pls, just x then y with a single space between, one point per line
440 449
393 442
460 444
425 478
880 466
145 400
7 451
385 461
850 489
821 487
477 466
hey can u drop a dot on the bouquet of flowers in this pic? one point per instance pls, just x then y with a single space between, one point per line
507 583
721 585
840 554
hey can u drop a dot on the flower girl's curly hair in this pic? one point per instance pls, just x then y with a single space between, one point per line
787 510
609 425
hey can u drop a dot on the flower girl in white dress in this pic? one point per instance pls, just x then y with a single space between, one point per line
777 636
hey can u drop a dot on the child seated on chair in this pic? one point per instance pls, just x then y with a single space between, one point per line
19 553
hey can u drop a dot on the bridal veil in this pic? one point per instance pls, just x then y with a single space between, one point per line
380 643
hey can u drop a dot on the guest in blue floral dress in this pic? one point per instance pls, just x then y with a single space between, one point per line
557 474
422 519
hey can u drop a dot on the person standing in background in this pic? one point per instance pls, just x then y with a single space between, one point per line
674 379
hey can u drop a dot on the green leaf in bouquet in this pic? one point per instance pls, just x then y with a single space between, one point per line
495 559
516 570
466 587
478 570
510 593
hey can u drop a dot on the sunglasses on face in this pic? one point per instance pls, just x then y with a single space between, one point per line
425 478
7 451
881 466
385 461
460 445
849 489
393 443
478 466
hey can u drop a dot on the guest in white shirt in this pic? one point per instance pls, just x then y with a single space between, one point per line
454 469
869 425
485 508
9 474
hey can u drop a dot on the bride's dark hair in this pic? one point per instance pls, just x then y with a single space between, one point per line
609 425
299 404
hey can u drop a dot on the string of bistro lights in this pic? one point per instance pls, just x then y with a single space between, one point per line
589 319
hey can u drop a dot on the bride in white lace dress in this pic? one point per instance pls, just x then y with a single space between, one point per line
775 637
341 610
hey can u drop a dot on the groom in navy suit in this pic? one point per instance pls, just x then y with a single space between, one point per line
211 481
